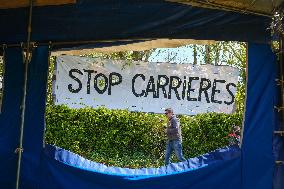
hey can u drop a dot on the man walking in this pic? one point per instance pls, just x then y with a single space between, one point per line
174 137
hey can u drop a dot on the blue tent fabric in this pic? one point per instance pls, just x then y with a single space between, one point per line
64 169
10 116
35 116
130 19
34 120
278 175
75 160
257 155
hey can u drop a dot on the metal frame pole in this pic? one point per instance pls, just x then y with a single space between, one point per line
281 80
27 59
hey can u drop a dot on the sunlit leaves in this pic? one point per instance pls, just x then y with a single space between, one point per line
132 139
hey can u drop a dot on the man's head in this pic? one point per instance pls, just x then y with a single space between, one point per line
169 112
237 130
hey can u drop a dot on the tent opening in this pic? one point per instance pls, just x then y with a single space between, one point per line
99 121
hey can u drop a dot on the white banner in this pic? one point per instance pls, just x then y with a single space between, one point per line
142 86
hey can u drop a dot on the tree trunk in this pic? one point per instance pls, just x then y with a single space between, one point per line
207 54
194 55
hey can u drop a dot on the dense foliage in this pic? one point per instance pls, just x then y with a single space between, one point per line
132 139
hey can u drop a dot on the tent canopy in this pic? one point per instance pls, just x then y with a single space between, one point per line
103 23
261 7
265 7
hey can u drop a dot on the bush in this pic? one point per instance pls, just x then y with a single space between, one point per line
132 139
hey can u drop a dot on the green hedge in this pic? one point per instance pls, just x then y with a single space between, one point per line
132 139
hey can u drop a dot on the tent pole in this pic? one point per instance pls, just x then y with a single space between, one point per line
27 59
281 80
87 42
280 83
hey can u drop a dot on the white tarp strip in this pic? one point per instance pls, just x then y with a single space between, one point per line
138 46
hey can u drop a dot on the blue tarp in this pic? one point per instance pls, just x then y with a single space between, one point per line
69 158
63 168
52 167
34 119
257 152
10 116
130 19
